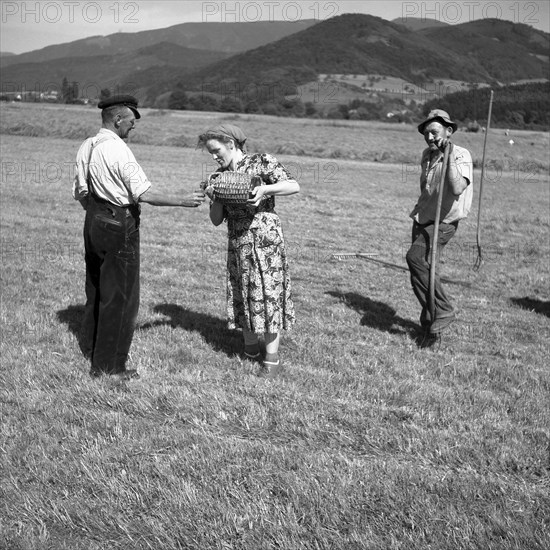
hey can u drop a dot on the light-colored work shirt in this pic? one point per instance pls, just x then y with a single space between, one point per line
453 207
106 167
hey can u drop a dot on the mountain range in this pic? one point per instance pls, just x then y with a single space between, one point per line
219 37
199 56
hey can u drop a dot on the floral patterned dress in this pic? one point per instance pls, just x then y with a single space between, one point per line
258 281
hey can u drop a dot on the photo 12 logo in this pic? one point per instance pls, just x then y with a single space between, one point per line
453 13
250 12
70 12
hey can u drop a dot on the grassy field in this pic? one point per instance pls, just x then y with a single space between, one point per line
366 442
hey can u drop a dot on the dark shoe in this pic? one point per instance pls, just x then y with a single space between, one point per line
441 323
431 341
257 357
129 374
424 321
270 369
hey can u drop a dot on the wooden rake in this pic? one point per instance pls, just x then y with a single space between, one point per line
433 251
479 259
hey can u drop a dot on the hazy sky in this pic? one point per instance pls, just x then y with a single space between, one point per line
28 25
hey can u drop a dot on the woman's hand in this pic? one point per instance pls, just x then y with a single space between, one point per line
257 194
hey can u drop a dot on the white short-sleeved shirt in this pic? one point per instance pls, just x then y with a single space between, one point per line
453 208
114 174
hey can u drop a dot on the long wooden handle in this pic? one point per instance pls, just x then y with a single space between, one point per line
433 251
478 230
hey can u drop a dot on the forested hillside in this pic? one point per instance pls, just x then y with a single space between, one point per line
519 106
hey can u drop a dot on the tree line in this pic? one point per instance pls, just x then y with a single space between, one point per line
520 106
524 106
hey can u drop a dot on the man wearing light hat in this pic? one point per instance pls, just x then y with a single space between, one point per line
110 185
437 130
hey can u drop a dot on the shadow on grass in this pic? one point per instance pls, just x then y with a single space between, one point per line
213 329
531 304
72 316
376 314
405 269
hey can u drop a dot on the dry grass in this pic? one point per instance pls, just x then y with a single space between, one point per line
366 442
319 138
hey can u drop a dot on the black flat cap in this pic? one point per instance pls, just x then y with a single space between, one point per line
127 100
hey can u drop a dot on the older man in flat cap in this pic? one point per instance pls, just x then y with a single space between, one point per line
437 130
110 185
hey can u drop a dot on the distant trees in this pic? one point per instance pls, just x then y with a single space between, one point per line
514 106
178 98
69 92
231 104
105 93
252 107
521 106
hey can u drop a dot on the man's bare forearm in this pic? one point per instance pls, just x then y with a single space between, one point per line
160 199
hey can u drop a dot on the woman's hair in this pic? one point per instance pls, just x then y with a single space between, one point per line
223 138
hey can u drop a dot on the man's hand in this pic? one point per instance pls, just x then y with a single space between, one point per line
442 142
207 189
194 199
209 192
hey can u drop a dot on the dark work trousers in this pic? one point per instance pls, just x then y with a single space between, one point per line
419 260
111 243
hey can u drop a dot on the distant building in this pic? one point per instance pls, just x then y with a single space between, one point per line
50 95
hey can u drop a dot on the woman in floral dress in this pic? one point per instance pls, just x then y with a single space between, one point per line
258 283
